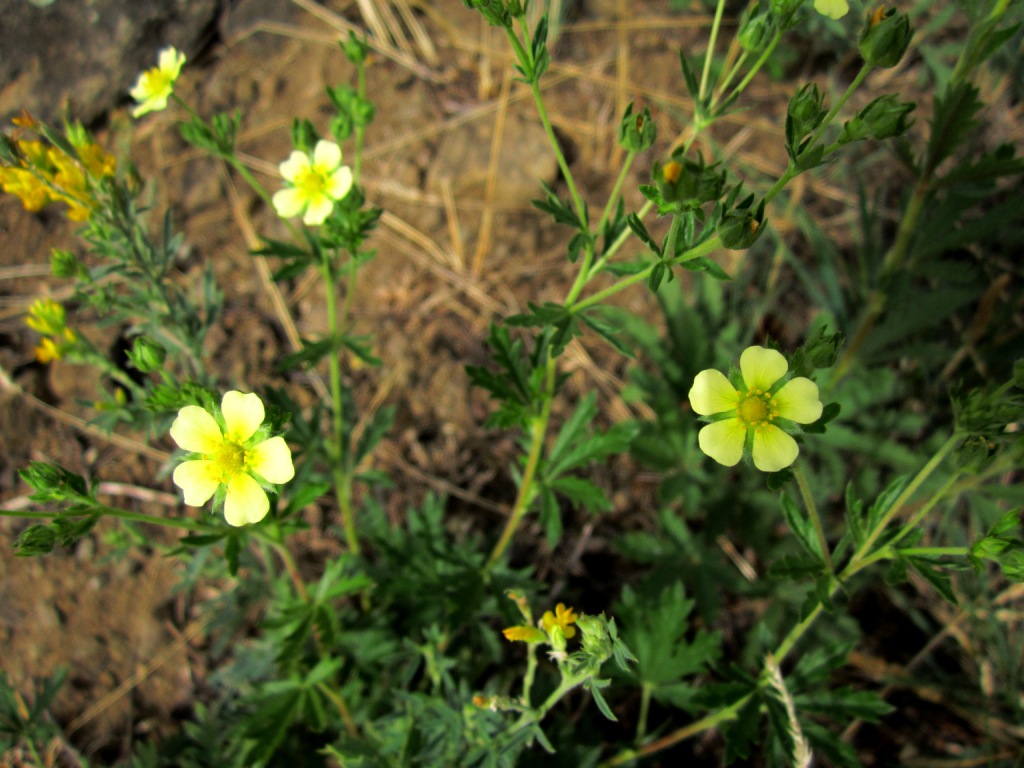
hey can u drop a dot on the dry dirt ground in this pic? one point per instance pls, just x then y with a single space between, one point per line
459 244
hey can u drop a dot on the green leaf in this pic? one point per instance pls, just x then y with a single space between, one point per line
560 210
845 704
594 686
937 578
704 264
638 228
602 321
741 733
550 516
953 121
312 352
657 275
657 629
802 528
374 432
582 493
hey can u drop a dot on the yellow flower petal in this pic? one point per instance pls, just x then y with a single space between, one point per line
272 460
723 441
245 502
296 164
319 209
524 634
196 430
834 9
243 414
712 393
798 401
197 479
339 182
762 367
326 156
773 449
289 202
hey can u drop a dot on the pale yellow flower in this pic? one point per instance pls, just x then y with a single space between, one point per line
234 457
156 85
749 418
834 9
314 183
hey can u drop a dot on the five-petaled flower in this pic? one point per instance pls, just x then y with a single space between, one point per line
750 418
156 85
236 457
561 618
315 183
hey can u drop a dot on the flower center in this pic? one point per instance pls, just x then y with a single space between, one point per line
312 182
230 459
756 407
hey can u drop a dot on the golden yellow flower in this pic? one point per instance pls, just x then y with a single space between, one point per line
524 634
562 617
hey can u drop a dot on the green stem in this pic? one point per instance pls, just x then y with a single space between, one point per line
737 65
525 56
812 511
703 249
337 453
754 69
645 705
123 514
853 86
710 53
619 241
901 500
926 508
935 551
525 495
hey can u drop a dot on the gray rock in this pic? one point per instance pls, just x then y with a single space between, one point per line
86 54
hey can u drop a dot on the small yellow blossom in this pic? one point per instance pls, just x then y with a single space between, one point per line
314 183
47 350
32 190
524 634
748 418
562 617
155 86
235 457
834 9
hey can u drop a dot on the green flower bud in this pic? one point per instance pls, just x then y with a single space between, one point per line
355 49
756 30
740 227
36 540
785 10
65 264
595 642
53 483
494 11
688 184
804 114
883 118
823 349
885 38
637 132
146 355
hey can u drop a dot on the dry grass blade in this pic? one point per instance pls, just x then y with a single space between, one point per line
497 138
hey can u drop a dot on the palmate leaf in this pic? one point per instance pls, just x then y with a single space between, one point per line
656 630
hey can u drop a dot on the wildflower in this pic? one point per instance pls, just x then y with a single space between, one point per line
156 85
236 457
561 618
834 9
315 183
750 419
32 190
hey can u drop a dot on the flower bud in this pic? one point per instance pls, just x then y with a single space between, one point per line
146 355
595 642
355 49
883 118
885 38
637 132
756 30
65 264
823 349
740 227
688 184
803 115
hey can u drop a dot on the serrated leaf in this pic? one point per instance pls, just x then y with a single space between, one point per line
550 516
638 229
597 320
374 432
656 629
704 264
953 120
741 733
845 704
801 527
582 493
